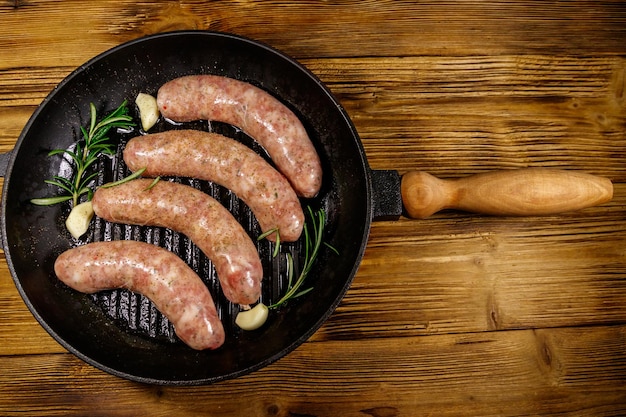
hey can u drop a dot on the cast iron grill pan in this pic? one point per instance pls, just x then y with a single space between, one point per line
120 332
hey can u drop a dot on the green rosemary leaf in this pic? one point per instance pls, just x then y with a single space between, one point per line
84 132
276 245
57 151
73 155
301 293
100 147
289 271
118 121
267 233
85 181
331 247
92 125
134 175
90 159
60 184
84 190
153 183
277 241
62 179
49 201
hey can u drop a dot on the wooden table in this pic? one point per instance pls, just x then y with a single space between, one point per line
457 314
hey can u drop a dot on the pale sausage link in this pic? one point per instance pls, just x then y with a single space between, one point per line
257 113
174 288
198 216
216 158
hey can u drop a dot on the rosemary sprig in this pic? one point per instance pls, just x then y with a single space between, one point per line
131 177
276 243
312 243
85 154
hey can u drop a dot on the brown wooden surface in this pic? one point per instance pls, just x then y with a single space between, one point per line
453 315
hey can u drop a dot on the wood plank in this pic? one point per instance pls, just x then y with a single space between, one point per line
457 272
574 371
454 117
437 114
378 87
349 28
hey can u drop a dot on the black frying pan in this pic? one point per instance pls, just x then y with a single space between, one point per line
120 332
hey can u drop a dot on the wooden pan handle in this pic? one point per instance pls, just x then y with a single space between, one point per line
522 192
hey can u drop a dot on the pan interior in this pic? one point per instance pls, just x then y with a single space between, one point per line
121 332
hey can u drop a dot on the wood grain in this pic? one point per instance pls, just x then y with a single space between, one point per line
457 314
458 116
321 29
406 110
555 367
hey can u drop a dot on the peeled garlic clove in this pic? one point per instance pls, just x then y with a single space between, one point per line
79 218
148 110
252 319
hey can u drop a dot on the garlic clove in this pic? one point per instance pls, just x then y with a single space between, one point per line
252 319
148 110
79 218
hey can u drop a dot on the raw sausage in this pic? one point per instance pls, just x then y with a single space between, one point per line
197 215
213 157
160 275
257 113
